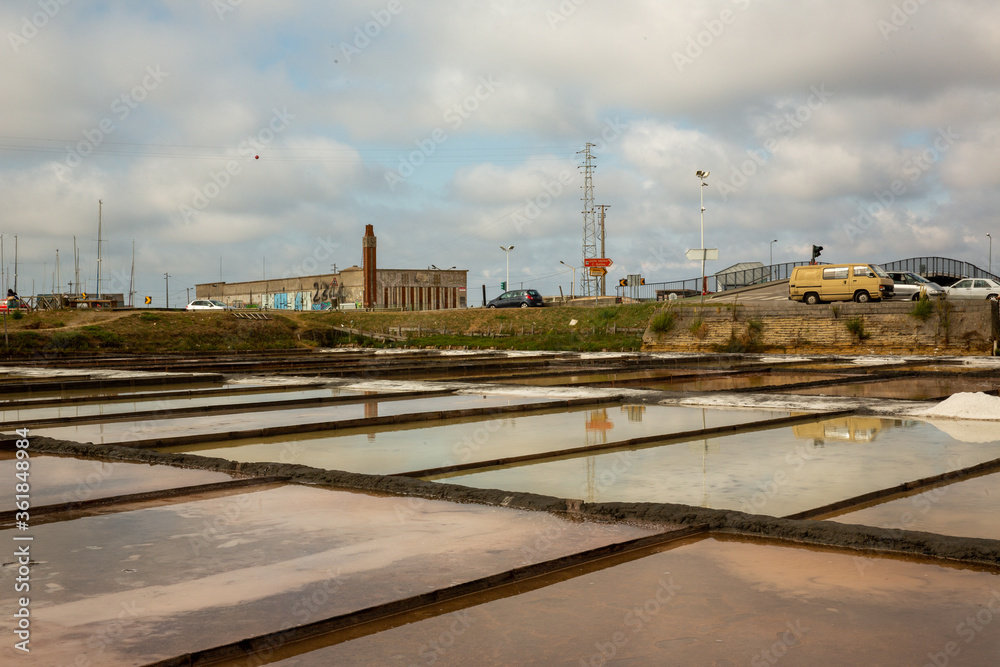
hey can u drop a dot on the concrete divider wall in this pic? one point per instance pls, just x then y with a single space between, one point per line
841 328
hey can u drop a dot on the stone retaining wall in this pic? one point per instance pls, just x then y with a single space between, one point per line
841 328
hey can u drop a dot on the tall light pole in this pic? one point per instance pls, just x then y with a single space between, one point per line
770 249
990 269
704 282
507 249
572 285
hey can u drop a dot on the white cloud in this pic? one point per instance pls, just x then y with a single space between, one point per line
514 89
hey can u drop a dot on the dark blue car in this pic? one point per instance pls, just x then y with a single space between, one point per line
517 298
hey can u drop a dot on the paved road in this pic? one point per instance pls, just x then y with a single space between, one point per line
775 293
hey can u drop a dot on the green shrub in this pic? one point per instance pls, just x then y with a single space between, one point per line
754 334
69 341
856 325
698 328
103 337
923 308
664 322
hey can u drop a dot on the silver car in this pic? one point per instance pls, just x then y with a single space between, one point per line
909 286
974 288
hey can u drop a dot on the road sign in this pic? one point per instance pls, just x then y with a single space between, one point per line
598 271
149 300
84 295
592 262
702 253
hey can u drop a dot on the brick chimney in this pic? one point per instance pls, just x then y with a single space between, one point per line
368 267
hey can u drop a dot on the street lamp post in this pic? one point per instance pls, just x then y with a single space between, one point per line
704 282
770 249
507 249
990 265
572 285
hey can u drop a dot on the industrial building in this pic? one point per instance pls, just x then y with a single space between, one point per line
363 286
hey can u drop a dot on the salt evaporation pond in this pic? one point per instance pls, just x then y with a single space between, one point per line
189 576
778 472
709 603
403 448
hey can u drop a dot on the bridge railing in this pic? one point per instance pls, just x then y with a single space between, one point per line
939 266
715 283
719 282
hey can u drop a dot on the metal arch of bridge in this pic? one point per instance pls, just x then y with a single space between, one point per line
926 266
939 267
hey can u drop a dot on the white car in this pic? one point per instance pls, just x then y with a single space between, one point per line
974 288
206 304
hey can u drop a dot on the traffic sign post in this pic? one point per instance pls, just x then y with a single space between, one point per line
698 254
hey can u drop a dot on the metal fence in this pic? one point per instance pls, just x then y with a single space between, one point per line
939 266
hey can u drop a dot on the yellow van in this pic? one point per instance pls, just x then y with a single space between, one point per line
839 282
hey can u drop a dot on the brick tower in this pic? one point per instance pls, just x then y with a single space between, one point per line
368 267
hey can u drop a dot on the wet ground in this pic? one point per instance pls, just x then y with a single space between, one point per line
560 509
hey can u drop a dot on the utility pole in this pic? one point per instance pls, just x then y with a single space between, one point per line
131 278
588 284
603 278
166 291
100 206
15 264
188 293
76 265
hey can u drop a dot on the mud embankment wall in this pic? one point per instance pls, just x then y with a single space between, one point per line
945 327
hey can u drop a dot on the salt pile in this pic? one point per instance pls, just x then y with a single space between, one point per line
966 406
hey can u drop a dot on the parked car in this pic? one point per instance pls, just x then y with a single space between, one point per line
974 288
206 304
909 286
517 298
816 283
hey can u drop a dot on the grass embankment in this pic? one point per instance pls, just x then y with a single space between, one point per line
74 331
60 332
553 328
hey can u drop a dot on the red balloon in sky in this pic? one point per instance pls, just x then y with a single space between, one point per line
256 157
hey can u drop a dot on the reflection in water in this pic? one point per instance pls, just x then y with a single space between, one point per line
634 413
371 412
847 429
597 426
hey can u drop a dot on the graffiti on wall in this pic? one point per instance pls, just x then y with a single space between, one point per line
324 293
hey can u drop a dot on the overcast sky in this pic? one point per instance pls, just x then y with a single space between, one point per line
265 135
